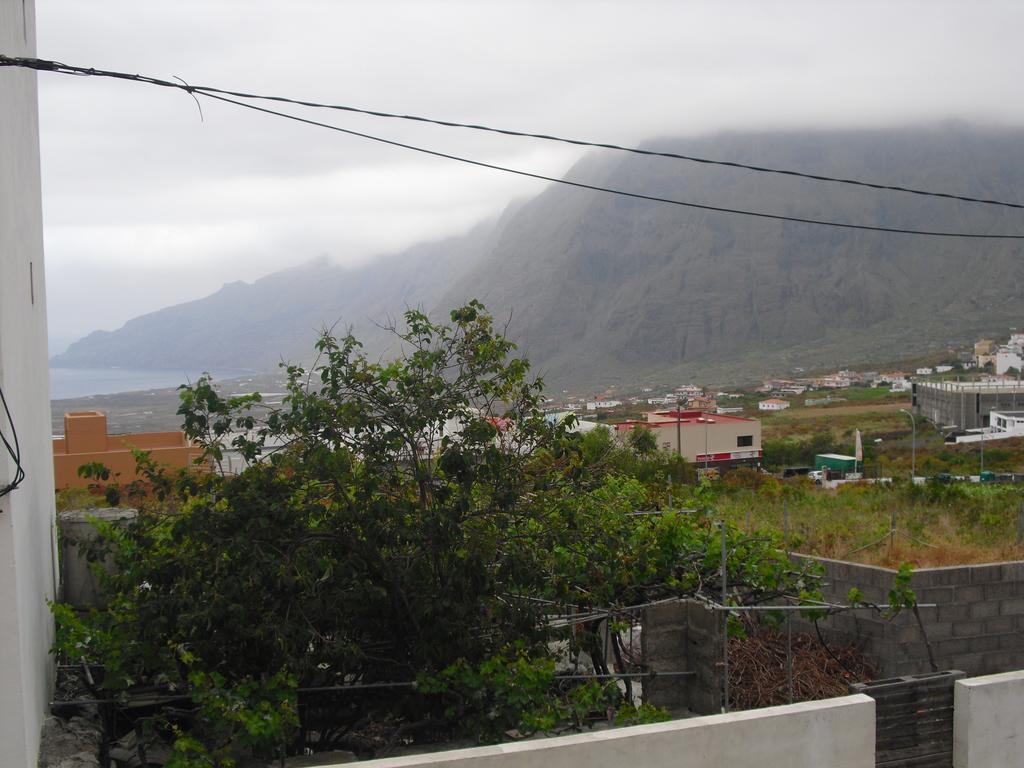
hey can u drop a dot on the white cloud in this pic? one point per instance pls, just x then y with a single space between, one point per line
146 205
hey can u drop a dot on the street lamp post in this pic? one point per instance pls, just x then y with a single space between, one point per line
913 444
707 455
982 470
679 426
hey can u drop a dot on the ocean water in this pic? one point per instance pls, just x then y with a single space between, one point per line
81 382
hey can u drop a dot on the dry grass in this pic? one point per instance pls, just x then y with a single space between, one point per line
833 411
936 525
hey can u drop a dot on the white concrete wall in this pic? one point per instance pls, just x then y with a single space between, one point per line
1007 358
988 721
27 575
838 733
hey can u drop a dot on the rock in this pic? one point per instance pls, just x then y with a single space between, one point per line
73 743
125 751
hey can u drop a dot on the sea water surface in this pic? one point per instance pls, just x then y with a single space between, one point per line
81 382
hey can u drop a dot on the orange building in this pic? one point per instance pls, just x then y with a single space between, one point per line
86 440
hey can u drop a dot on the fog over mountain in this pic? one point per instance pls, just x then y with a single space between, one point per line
603 288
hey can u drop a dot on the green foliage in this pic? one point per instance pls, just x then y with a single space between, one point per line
790 453
643 441
251 716
100 475
410 521
901 596
76 498
641 715
509 691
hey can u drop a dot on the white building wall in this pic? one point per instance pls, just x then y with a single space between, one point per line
1007 358
27 572
835 733
988 730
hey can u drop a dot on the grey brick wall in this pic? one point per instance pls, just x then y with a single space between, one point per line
683 636
977 626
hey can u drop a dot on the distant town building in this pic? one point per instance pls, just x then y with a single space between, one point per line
833 381
86 441
984 347
1009 356
943 368
773 404
925 371
690 390
594 405
664 400
966 405
712 441
895 379
701 403
1002 425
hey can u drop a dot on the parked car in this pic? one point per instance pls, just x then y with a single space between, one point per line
797 471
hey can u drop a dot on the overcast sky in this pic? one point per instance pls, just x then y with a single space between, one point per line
146 206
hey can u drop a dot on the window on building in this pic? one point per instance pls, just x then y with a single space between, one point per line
744 441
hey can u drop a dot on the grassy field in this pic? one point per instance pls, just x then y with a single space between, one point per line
937 524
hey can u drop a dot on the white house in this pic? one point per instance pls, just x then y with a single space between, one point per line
834 381
1008 357
924 371
773 404
1002 425
27 532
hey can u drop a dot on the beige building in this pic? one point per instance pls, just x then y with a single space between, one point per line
86 441
714 441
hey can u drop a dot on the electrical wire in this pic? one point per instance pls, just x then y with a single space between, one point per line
53 66
44 65
613 190
13 450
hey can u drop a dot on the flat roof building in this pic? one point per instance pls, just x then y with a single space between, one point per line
965 404
86 440
714 441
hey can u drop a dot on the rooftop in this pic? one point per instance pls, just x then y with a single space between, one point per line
684 419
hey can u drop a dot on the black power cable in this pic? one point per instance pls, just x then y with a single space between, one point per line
54 66
612 190
14 450
211 93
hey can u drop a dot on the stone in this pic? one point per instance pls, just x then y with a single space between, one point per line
73 743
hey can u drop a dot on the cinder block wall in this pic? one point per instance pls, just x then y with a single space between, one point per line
683 636
977 626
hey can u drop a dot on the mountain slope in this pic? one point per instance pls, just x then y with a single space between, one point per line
604 288
257 325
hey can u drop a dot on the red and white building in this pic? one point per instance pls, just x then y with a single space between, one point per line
709 440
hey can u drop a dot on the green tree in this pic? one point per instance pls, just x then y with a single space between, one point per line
643 441
410 523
